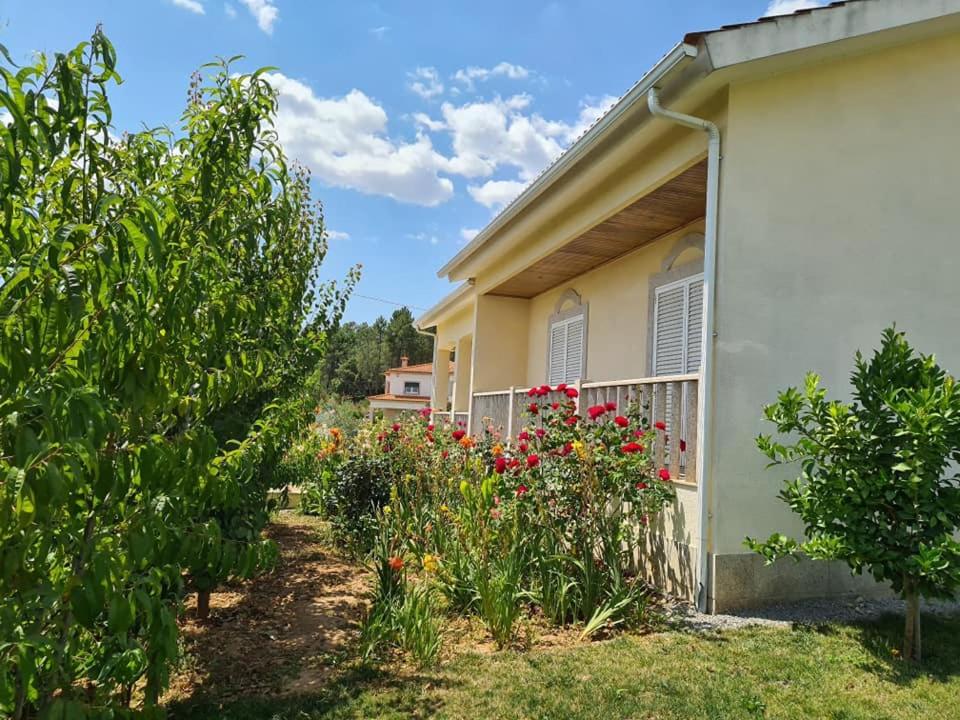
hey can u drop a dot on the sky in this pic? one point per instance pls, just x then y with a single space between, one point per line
418 119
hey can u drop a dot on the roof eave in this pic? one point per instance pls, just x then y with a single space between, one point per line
680 53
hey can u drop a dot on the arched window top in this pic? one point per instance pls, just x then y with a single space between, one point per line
687 242
568 296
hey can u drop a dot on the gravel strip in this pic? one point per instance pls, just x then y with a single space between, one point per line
805 612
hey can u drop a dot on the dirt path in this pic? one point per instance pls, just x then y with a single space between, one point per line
279 634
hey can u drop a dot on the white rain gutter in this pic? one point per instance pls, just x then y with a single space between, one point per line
678 54
704 394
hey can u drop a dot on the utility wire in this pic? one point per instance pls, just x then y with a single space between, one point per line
388 302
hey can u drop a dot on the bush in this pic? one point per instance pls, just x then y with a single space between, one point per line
874 489
361 487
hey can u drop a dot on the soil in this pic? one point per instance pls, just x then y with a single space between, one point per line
282 633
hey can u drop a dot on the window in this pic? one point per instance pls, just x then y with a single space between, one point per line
677 326
411 388
567 348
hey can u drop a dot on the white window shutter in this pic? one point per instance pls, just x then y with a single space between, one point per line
694 325
669 331
574 350
558 337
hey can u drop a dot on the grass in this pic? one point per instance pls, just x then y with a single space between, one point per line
835 672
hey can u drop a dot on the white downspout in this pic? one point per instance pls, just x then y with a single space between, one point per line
705 394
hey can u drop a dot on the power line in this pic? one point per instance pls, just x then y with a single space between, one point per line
388 302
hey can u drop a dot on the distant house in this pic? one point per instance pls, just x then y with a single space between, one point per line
765 200
407 388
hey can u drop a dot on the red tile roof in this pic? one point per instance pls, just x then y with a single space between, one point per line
402 398
424 368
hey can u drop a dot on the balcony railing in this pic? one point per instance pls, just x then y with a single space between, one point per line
671 399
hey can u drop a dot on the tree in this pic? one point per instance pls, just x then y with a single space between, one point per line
874 489
158 308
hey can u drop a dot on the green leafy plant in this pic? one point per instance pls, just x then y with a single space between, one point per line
874 489
158 308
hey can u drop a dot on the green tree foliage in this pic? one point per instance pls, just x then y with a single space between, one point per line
874 488
158 302
358 353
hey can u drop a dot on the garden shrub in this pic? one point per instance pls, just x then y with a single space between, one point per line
556 519
877 486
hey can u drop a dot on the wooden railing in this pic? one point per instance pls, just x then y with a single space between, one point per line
669 399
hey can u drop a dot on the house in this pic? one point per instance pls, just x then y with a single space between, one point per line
762 202
408 388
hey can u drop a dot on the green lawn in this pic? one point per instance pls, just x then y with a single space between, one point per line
834 672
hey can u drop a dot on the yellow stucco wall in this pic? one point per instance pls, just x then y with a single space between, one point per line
454 326
837 217
499 343
618 297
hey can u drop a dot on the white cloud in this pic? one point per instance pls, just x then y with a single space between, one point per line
192 5
785 7
469 75
337 235
425 121
265 13
344 141
230 10
496 193
425 82
590 111
424 237
379 32
468 234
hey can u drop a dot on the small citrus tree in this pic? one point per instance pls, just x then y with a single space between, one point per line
874 489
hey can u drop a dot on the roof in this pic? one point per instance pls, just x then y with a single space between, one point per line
454 300
400 398
422 368
820 29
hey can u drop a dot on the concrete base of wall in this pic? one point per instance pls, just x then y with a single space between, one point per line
743 580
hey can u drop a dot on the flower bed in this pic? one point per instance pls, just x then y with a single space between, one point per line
552 523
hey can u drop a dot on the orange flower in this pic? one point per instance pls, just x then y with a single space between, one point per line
467 442
396 563
497 450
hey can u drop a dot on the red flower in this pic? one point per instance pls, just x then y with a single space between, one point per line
642 485
523 447
445 454
611 407
562 387
664 474
631 447
555 406
425 412
534 408
500 465
523 436
566 449
458 435
621 421
660 425
571 392
683 446
532 392
395 563
430 437
461 423
638 433
596 411
533 461
395 427
430 427
572 420
540 432
522 490
513 464
545 390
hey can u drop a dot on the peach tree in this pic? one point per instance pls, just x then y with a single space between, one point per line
876 487
150 285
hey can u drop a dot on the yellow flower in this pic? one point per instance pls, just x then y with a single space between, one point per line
430 564
387 510
580 449
444 509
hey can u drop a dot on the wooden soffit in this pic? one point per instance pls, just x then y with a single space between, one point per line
674 204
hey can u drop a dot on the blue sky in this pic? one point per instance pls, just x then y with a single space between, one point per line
418 119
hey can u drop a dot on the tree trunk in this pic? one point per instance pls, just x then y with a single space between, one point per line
911 628
203 604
